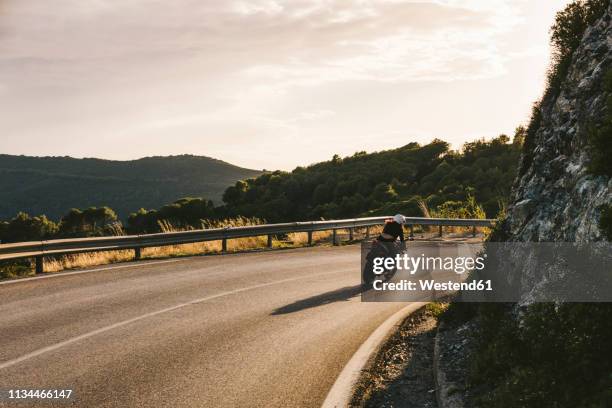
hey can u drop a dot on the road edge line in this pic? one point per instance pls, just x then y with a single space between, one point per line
144 262
341 393
102 268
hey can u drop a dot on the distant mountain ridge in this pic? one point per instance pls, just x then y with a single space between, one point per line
53 185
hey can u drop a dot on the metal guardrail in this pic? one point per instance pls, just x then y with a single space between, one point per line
39 249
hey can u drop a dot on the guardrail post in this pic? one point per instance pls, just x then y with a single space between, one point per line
440 231
137 253
350 234
224 245
334 235
40 265
367 232
309 238
269 240
473 231
411 236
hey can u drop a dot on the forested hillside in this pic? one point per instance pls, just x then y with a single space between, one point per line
53 185
389 181
449 183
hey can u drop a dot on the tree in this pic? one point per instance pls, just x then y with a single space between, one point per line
234 194
571 23
93 221
25 228
384 192
143 222
519 136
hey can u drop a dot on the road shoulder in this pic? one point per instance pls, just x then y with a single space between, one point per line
401 373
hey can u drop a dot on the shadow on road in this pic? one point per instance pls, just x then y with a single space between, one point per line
338 295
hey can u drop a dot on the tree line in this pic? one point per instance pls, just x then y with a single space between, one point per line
76 223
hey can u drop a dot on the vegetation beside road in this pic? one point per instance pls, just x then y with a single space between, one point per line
540 355
21 268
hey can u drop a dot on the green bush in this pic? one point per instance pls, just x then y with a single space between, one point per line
458 313
186 212
605 221
409 208
76 223
559 356
600 136
459 209
15 269
25 228
90 222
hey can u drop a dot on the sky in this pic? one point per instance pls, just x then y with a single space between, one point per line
264 83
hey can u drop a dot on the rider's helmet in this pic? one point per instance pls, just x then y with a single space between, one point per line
399 218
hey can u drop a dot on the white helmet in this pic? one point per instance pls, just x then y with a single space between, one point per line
399 218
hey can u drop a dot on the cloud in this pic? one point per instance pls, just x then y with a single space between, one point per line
254 36
120 70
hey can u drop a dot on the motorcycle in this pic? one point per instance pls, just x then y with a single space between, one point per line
380 249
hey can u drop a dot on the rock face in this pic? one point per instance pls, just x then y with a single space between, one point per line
556 199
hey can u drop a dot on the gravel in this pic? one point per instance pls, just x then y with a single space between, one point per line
401 374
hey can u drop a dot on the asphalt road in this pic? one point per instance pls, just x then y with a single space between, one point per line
267 329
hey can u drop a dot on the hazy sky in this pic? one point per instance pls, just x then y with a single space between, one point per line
264 84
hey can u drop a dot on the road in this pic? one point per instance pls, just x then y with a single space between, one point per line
265 329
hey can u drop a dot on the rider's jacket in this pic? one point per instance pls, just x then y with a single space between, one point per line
394 229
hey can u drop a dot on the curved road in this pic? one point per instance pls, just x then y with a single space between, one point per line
267 329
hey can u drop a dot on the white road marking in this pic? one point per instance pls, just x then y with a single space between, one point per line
90 334
108 268
341 392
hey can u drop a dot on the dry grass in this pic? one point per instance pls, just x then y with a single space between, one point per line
301 238
55 264
478 213
431 231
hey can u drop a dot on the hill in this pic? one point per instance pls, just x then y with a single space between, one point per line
384 182
473 182
52 185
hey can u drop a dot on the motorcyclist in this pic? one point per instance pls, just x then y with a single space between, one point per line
385 246
393 229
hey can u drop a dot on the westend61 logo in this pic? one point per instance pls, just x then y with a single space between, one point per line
391 272
413 265
384 268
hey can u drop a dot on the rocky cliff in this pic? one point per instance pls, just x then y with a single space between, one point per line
555 198
536 350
